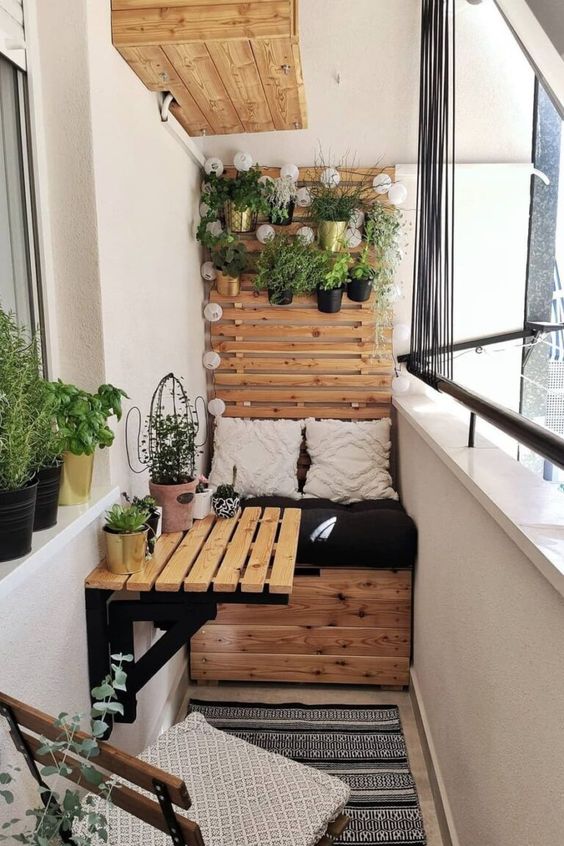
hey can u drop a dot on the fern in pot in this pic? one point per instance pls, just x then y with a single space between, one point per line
226 500
281 195
332 285
169 451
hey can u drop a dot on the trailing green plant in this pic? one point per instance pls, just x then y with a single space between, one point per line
382 231
227 491
72 812
289 264
27 441
82 418
126 519
230 257
279 194
337 203
172 459
245 191
337 271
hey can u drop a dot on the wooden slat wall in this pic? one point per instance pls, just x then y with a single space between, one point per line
232 67
294 361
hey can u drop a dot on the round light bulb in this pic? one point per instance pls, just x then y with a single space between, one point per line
400 384
330 177
306 234
353 237
382 183
303 198
213 312
204 209
213 165
211 360
397 194
216 407
214 228
290 170
357 219
265 180
208 271
243 161
265 233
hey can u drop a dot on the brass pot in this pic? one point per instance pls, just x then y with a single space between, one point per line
331 235
76 479
240 220
125 553
227 286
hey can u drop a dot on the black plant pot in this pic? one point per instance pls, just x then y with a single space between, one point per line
17 510
152 524
46 505
330 301
281 298
359 290
290 209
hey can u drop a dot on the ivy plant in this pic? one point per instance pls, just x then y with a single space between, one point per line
62 814
82 418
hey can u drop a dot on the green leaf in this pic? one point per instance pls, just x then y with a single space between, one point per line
98 728
103 691
7 796
92 775
5 778
121 657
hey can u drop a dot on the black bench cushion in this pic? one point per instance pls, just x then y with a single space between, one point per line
372 533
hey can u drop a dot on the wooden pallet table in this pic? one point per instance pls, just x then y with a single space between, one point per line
250 558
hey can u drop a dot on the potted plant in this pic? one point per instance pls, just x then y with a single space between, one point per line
126 533
226 501
288 266
202 499
281 195
229 258
169 451
330 289
67 812
336 194
381 232
82 420
22 402
361 276
48 462
236 200
149 504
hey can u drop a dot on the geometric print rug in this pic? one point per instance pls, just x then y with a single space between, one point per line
364 747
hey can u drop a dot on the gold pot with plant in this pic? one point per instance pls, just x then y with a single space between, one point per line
82 421
236 200
126 534
229 258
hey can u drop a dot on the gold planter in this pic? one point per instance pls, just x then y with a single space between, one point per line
125 553
76 479
331 235
227 286
240 220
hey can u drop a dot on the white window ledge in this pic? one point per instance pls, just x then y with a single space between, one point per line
73 519
528 509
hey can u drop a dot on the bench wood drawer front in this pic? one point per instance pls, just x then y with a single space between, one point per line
330 669
342 625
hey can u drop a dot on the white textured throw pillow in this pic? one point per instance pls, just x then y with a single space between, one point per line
265 453
349 461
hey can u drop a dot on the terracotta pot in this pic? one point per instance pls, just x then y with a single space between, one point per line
177 503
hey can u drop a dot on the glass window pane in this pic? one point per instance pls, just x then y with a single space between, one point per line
14 256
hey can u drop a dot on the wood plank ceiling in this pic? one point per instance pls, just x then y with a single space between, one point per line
231 67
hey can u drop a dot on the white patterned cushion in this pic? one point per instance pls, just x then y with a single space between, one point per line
241 795
265 453
350 461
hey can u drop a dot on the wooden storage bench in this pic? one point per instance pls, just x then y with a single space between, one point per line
343 625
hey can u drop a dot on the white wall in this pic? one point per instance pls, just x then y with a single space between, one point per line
488 662
374 111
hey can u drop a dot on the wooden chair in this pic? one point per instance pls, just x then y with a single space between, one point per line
169 790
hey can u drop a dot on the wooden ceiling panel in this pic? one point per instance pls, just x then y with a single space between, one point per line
188 113
151 66
195 67
181 24
280 70
236 65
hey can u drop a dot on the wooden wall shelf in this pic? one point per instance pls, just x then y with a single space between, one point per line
231 67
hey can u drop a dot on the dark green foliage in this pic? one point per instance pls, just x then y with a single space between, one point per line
230 257
337 271
289 264
244 191
126 519
82 418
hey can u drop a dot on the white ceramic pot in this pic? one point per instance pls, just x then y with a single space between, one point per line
202 504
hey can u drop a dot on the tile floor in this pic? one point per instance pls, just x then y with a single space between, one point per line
328 694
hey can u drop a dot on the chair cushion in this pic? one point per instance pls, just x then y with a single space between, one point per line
372 533
241 795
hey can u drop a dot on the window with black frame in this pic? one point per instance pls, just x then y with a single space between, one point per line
19 290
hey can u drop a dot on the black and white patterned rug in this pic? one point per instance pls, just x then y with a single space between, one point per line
364 747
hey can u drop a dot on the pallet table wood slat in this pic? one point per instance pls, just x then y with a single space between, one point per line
282 576
202 572
174 573
257 568
165 546
229 573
